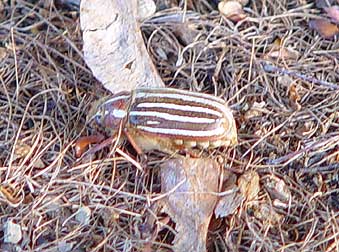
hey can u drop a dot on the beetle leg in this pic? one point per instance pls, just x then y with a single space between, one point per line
143 157
133 143
82 143
189 152
101 145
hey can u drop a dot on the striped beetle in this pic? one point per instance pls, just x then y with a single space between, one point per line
168 119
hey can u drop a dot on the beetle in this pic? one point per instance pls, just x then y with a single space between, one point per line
168 119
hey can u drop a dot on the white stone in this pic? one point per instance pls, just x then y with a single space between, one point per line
64 246
12 232
83 215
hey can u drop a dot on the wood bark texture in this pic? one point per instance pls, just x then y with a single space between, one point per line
191 184
113 45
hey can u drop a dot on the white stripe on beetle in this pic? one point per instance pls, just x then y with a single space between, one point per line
171 117
119 113
179 107
182 132
121 97
207 101
152 122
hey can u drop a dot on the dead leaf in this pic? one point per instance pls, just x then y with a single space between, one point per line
231 197
232 10
53 206
325 28
28 199
11 195
306 129
228 203
294 97
248 184
333 13
190 185
277 189
151 228
38 163
279 51
284 53
266 214
256 110
186 33
285 80
109 216
3 52
21 150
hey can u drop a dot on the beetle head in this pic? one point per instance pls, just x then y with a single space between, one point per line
113 111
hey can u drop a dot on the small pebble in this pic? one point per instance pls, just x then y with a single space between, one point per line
64 246
12 232
83 215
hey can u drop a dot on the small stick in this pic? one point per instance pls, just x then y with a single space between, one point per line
284 160
273 69
320 169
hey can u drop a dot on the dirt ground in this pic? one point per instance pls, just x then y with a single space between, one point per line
279 76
